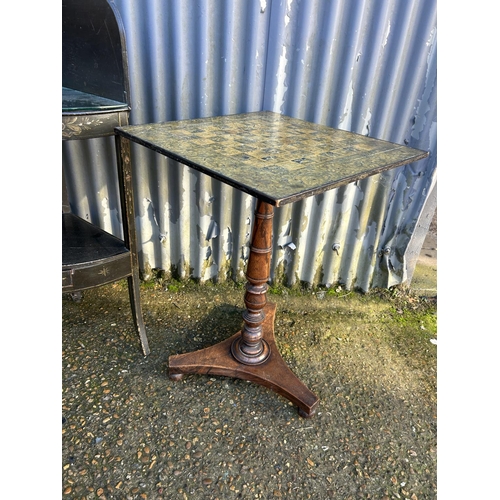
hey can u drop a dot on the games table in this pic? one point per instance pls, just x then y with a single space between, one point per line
278 160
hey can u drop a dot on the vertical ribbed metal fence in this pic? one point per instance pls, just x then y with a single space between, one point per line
364 66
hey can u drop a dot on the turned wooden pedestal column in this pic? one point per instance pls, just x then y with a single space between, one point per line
252 353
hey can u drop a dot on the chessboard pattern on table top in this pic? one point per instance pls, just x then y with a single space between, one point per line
271 156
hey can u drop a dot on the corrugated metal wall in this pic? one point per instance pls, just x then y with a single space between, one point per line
364 66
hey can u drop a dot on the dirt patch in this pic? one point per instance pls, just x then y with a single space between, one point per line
130 432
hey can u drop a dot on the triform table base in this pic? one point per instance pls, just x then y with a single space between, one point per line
273 373
252 353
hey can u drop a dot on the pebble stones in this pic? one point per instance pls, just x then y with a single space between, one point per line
131 432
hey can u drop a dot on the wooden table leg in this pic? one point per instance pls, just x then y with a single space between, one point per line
129 235
252 353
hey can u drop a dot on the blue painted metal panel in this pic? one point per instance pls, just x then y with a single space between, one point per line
365 66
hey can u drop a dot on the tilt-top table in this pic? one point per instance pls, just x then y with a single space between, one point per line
278 160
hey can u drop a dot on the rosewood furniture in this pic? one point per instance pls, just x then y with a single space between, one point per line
278 160
95 99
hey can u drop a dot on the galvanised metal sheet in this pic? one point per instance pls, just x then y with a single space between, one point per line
363 66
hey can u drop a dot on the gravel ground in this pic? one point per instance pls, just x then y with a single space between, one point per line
129 432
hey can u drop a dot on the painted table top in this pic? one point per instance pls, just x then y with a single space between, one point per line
271 156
